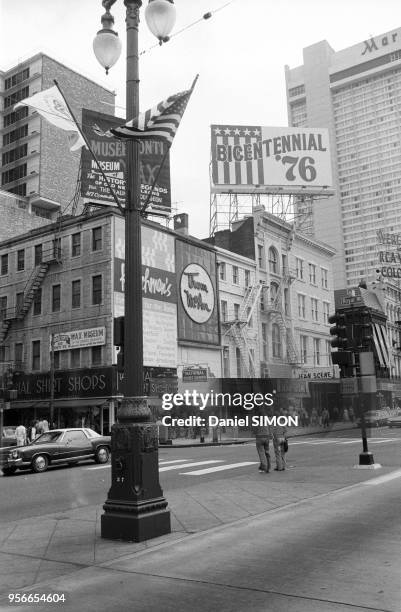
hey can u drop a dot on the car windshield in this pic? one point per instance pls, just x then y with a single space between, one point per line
48 436
92 434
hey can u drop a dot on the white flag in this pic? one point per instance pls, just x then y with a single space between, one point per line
52 107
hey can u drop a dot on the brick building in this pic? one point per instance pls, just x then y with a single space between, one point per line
36 162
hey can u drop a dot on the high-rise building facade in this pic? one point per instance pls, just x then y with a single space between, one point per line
356 94
35 161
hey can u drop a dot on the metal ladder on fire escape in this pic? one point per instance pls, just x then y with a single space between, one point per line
50 255
275 310
238 328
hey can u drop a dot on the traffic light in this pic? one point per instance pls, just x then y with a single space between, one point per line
345 361
118 333
364 329
339 330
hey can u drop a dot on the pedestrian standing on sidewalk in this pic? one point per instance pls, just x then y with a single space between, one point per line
20 433
262 435
279 434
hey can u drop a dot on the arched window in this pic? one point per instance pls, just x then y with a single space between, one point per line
276 340
273 261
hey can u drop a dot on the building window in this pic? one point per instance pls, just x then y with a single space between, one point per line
19 302
20 260
97 239
236 311
301 306
76 294
316 351
286 302
96 355
57 360
262 299
299 268
3 306
75 358
97 289
314 308
261 256
226 362
38 254
274 293
326 312
273 261
223 310
36 355
18 355
247 278
304 348
276 340
235 275
312 274
328 352
4 265
249 317
76 244
264 342
37 302
222 271
284 264
56 298
324 278
238 362
14 174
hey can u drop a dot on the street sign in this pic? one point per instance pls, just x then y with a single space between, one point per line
194 375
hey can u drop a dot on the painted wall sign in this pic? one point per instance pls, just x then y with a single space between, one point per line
258 158
197 293
111 155
80 338
91 382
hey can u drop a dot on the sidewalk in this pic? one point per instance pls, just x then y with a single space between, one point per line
60 547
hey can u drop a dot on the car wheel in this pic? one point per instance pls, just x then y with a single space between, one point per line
9 471
40 463
102 454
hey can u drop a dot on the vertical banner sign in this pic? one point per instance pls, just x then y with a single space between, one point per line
111 154
159 293
254 157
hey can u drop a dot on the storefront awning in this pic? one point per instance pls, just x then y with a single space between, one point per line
381 345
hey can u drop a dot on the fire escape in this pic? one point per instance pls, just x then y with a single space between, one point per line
277 314
50 255
237 328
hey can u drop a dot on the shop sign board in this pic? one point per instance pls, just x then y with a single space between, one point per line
82 383
194 375
253 158
80 338
111 154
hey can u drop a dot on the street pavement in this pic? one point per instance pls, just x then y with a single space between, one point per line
316 537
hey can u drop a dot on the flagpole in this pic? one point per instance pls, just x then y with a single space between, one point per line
113 193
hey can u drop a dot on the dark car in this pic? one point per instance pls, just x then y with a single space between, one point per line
59 446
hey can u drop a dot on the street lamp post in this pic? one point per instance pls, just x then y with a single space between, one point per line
135 509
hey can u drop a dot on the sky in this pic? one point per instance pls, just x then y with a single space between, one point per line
239 54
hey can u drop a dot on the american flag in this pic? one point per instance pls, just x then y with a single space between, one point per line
159 122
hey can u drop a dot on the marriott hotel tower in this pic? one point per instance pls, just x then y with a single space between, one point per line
356 94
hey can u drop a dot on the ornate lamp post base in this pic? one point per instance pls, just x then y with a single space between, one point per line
135 509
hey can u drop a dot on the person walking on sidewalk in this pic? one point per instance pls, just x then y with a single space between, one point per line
262 435
20 434
279 434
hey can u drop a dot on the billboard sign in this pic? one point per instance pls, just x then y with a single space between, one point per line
246 159
159 293
197 293
111 154
81 338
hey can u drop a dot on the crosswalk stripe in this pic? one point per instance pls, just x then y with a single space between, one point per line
181 466
173 461
218 468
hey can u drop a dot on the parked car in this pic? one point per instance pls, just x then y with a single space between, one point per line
9 437
395 420
59 446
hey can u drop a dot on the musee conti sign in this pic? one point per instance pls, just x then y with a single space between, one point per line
261 158
197 293
80 338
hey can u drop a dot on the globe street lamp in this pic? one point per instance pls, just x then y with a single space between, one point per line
135 509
